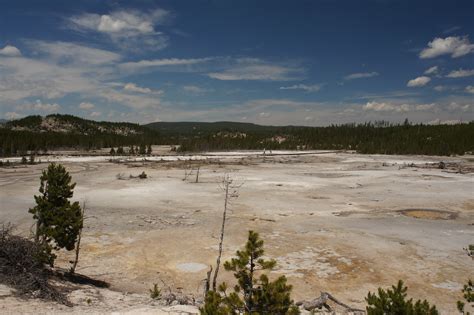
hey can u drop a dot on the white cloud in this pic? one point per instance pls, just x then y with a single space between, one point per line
132 87
10 51
39 106
308 88
72 53
86 105
130 29
453 106
456 46
95 114
461 73
257 69
12 115
135 101
195 89
361 75
149 64
441 88
432 70
399 108
470 89
264 115
420 81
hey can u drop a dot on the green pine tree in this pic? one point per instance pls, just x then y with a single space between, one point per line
58 221
253 294
394 302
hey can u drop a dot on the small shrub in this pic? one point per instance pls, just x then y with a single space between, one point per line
142 175
24 160
155 293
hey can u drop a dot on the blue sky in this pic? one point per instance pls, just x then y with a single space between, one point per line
269 62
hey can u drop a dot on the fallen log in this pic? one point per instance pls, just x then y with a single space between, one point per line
322 301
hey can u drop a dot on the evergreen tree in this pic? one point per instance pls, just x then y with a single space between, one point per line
394 302
120 150
132 150
142 149
24 160
112 151
252 295
58 221
148 149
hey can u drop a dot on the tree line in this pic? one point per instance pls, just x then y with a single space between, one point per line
17 138
364 138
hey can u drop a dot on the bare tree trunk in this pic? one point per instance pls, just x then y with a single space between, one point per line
197 174
207 286
226 182
78 244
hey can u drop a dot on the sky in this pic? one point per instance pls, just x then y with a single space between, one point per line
295 62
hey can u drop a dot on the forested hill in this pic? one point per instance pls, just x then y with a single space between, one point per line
37 133
74 125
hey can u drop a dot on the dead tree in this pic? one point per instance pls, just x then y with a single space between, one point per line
78 244
197 173
231 191
187 171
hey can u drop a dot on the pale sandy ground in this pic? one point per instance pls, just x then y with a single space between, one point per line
332 221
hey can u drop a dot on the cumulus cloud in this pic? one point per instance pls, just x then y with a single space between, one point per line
254 69
453 106
461 73
361 75
308 88
399 108
432 70
86 105
126 28
420 81
10 51
470 89
456 46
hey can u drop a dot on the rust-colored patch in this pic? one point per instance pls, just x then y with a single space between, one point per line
429 214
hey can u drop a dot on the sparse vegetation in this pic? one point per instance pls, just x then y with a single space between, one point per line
394 301
468 295
155 292
252 294
22 266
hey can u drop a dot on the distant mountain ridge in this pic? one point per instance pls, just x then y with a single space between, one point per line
69 124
